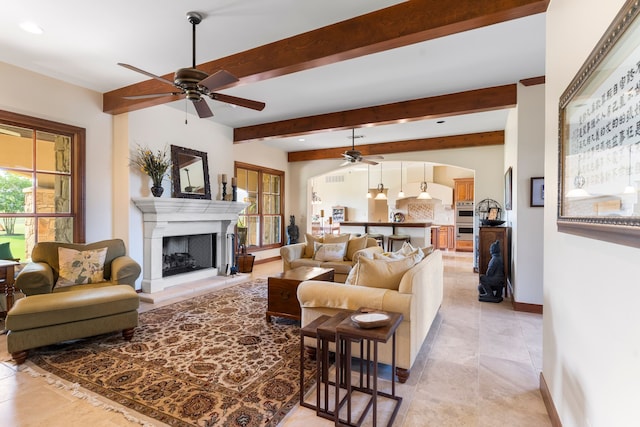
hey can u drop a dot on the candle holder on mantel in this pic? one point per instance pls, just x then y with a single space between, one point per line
234 193
224 191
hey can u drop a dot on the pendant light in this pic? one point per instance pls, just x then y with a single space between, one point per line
381 195
369 195
423 185
315 199
401 193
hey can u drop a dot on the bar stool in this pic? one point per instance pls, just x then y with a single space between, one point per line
397 238
379 238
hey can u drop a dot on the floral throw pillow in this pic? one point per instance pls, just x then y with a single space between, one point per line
79 267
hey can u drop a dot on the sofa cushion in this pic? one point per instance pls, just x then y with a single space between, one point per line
77 267
305 262
329 251
354 245
339 267
380 273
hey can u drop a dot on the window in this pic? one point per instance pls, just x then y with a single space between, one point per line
41 182
263 189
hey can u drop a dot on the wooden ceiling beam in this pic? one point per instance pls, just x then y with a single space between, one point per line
396 26
424 144
473 101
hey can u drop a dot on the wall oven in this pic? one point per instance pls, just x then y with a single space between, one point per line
464 213
464 231
464 221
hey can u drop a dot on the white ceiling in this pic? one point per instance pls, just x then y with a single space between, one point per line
83 41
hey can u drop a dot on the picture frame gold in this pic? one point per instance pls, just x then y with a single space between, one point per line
599 147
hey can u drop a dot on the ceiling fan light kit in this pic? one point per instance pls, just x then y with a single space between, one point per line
193 84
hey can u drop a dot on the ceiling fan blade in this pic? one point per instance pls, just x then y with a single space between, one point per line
152 95
375 157
371 162
146 73
243 102
218 79
345 163
203 108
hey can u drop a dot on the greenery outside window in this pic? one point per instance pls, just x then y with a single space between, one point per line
41 182
263 189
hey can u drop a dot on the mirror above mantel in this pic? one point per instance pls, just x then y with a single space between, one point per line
190 174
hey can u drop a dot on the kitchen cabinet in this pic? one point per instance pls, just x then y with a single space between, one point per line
463 189
487 236
443 237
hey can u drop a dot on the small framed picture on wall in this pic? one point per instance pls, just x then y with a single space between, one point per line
537 192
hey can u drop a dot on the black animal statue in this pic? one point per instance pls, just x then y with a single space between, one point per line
492 283
292 231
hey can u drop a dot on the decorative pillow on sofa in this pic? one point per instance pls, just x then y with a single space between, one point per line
329 251
329 238
354 245
379 273
79 267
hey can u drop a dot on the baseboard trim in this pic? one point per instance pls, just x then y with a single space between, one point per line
526 307
548 403
266 260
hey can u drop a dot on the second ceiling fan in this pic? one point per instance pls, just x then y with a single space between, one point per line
195 84
354 156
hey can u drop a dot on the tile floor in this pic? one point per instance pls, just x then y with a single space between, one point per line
479 366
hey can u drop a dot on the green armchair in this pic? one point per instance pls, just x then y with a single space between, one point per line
41 274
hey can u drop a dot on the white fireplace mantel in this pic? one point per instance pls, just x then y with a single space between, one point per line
163 217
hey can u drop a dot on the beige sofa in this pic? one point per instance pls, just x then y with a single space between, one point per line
301 255
418 297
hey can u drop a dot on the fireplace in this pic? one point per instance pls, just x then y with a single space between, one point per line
184 254
191 232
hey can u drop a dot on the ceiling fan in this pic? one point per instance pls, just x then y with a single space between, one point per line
195 84
354 156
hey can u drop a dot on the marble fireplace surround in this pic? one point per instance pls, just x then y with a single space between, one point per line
163 217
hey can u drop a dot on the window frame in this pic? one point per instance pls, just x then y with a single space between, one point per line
261 170
78 167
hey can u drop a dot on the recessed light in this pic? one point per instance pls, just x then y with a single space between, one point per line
31 27
301 139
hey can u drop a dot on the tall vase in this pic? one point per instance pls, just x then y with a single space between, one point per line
157 190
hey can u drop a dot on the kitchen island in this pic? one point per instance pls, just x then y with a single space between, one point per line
420 232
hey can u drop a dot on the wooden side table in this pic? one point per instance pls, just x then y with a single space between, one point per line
282 298
349 332
7 273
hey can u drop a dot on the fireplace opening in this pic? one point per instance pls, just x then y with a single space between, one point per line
183 254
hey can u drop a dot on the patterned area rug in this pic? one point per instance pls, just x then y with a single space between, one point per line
209 361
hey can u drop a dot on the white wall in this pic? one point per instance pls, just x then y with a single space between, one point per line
528 161
32 94
591 338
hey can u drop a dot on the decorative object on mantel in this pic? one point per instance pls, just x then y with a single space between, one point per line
190 173
154 164
224 186
234 189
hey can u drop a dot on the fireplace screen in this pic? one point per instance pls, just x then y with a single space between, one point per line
182 254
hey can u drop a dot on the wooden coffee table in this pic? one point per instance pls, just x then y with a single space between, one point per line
282 298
